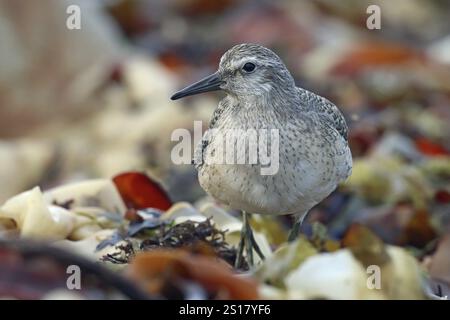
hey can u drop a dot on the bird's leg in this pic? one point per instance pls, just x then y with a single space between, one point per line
242 243
248 233
256 246
296 228
240 257
248 241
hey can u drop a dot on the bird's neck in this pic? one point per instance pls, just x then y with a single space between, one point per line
275 97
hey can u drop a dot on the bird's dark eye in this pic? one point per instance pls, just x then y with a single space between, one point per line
249 67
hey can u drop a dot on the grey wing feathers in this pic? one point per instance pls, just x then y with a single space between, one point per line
335 117
328 111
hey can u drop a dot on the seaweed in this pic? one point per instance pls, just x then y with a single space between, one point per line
198 237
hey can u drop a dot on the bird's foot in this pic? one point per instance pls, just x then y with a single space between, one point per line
247 243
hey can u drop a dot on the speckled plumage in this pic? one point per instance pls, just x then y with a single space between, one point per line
313 152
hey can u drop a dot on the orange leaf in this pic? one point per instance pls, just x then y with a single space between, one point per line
172 61
374 55
365 245
418 231
214 275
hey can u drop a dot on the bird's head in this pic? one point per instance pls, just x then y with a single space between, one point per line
246 70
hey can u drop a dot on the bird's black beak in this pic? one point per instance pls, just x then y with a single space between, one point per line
210 83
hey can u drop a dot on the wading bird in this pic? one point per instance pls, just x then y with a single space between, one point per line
314 156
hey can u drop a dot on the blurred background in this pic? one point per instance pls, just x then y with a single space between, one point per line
94 102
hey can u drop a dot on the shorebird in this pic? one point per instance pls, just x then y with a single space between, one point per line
314 156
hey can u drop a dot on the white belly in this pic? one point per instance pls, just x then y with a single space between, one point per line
293 189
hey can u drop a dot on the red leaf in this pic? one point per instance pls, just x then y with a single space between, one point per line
138 191
430 148
442 196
